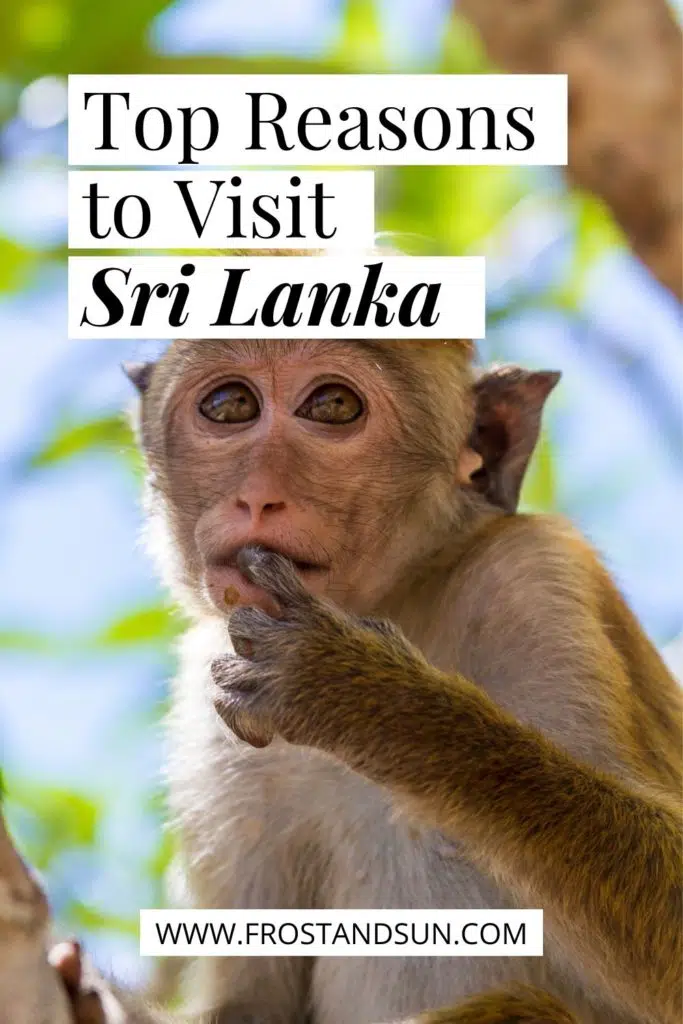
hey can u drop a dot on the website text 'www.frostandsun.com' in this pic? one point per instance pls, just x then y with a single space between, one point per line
341 933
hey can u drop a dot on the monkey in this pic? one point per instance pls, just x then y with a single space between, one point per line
478 788
397 691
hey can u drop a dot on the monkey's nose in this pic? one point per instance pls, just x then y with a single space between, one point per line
256 508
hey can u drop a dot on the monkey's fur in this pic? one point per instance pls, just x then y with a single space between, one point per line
514 738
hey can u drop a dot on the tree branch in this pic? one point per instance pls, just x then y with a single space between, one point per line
30 990
624 62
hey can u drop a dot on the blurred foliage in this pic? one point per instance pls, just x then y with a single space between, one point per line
538 491
155 624
15 263
57 825
107 433
360 44
595 232
151 625
457 209
57 820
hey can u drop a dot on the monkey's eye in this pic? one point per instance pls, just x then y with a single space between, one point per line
331 403
230 403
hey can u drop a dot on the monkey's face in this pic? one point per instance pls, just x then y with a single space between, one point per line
312 449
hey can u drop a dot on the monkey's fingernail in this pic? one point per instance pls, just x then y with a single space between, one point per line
244 648
231 596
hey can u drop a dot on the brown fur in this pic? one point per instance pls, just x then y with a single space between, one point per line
515 707
519 1004
599 854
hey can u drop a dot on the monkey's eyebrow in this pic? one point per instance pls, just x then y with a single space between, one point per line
376 352
368 348
264 347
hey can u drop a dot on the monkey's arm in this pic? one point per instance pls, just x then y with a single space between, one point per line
602 859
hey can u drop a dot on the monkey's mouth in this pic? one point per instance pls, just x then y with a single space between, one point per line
307 566
300 564
228 560
227 587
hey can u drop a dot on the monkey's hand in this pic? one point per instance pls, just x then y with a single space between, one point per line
315 675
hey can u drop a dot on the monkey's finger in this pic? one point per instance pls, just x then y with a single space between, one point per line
275 574
239 711
65 957
232 673
236 678
253 633
384 627
88 1008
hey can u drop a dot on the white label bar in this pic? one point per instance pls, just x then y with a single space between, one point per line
277 297
341 933
210 210
314 120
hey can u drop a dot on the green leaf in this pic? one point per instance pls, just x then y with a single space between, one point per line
595 233
360 44
463 52
16 263
596 230
61 37
109 433
59 819
538 492
86 917
155 624
455 207
25 640
161 860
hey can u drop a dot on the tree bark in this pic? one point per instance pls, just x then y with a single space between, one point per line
624 62
30 989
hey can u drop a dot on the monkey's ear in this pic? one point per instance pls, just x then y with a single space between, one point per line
509 406
139 374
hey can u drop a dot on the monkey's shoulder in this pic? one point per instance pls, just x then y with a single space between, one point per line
530 604
532 559
524 538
